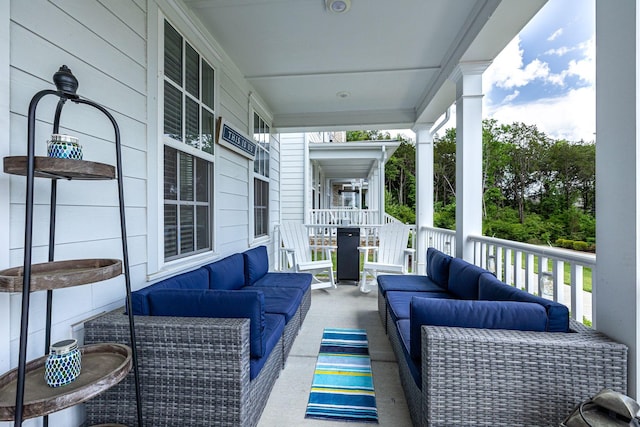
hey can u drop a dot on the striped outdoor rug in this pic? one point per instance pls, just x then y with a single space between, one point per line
342 388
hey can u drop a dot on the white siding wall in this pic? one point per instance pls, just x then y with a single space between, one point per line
293 179
105 44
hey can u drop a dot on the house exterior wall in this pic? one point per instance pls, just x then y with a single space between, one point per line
293 173
113 50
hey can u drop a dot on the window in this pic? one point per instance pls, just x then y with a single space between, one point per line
188 148
261 135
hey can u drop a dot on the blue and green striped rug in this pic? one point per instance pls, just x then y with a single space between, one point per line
342 388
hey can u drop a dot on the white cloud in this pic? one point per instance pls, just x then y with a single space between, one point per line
571 116
561 51
511 97
556 34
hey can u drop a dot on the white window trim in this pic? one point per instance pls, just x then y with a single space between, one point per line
255 106
157 267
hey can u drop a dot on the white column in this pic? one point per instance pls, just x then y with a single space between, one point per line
381 188
468 79
616 296
424 190
5 132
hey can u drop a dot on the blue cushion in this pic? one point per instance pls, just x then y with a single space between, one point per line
403 327
273 330
438 266
196 279
399 302
215 303
521 316
283 301
301 281
228 273
463 278
407 282
492 289
256 264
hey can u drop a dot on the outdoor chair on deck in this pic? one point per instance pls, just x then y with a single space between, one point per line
390 256
295 241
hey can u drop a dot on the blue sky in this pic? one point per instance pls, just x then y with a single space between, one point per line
546 75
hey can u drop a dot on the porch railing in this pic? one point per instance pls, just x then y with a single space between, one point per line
343 216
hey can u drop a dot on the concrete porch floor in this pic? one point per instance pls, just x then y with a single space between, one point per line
344 307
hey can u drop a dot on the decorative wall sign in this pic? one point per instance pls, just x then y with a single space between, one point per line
235 140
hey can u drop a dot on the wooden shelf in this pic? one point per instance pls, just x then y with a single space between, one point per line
60 274
54 168
103 366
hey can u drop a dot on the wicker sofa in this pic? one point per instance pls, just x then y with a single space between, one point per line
478 365
211 344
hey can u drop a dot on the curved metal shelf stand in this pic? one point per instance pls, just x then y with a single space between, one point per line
66 85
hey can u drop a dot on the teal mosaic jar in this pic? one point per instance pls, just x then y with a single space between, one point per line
63 364
64 147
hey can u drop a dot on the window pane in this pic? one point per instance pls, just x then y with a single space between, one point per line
186 177
172 112
208 127
170 231
186 229
207 85
256 127
202 180
172 54
170 173
192 71
202 231
192 131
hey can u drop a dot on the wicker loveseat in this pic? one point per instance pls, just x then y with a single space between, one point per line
211 344
495 363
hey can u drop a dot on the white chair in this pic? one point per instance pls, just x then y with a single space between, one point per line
390 256
295 241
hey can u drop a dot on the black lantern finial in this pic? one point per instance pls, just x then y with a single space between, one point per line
65 81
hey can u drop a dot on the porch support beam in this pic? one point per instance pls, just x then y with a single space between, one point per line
424 197
616 292
468 79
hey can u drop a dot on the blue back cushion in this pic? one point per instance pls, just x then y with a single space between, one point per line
521 316
256 264
438 267
492 289
196 279
463 278
215 303
228 273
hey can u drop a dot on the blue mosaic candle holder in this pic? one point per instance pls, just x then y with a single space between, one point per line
64 147
63 364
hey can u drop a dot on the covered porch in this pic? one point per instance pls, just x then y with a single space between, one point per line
277 69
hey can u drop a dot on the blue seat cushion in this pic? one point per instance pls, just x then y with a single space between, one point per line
273 330
256 264
215 303
228 273
521 316
301 281
407 282
463 278
415 367
283 301
438 267
196 279
492 289
399 302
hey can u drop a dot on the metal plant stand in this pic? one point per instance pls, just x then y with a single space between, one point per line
54 275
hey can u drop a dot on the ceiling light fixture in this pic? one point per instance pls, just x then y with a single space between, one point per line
343 94
338 6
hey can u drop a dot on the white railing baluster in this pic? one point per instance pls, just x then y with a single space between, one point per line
577 300
530 281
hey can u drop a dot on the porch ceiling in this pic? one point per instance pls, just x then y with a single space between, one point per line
350 160
393 58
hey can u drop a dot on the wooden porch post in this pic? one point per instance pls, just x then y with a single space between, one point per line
424 199
468 79
616 292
